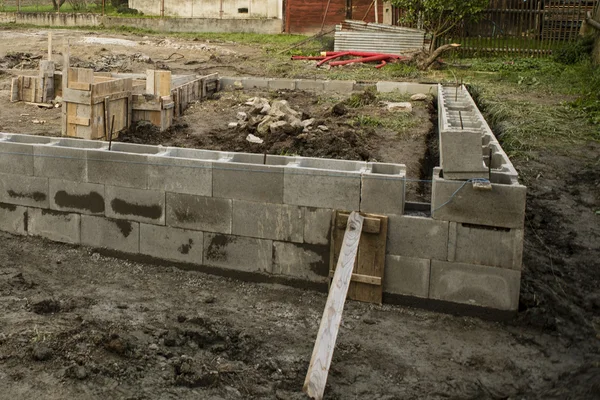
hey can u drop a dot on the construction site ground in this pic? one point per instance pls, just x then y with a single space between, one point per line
79 324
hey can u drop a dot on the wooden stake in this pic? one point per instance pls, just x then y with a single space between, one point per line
316 377
49 46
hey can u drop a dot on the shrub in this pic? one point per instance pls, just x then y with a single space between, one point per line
574 52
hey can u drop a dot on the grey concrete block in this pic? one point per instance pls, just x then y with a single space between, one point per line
383 190
16 158
304 261
238 253
406 276
115 234
460 153
268 221
172 243
248 182
475 285
317 225
54 225
180 175
13 219
135 204
339 86
282 84
323 189
199 213
310 85
117 169
79 197
406 87
417 237
503 206
228 83
60 162
255 83
495 247
24 190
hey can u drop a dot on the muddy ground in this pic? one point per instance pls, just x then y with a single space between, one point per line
76 324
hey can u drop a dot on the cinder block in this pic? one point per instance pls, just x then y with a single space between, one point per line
503 206
305 261
383 190
268 221
323 189
282 84
317 225
16 158
135 204
248 182
172 243
417 237
339 86
255 83
461 155
406 276
180 175
117 169
238 253
199 213
475 285
79 197
405 87
115 234
24 190
311 85
54 225
60 162
495 247
13 219
228 83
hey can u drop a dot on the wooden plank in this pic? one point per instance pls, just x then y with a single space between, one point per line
111 97
65 79
371 225
77 96
15 90
71 129
371 280
80 85
78 121
50 46
316 377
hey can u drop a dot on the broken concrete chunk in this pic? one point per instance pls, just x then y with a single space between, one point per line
259 105
263 127
254 139
233 125
323 128
418 97
402 107
308 122
280 127
281 107
242 116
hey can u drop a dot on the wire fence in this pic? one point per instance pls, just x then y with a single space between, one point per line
522 27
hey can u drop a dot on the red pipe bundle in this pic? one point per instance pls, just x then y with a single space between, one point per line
364 57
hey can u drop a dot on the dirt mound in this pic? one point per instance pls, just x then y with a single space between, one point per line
19 60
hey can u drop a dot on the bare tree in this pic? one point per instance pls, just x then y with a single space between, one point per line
57 4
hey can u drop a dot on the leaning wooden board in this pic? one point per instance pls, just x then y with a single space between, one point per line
367 279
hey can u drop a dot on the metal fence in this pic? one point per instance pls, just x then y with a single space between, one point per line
524 27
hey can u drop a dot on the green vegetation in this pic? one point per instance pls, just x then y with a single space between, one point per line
438 17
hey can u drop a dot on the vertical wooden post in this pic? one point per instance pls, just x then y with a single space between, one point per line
376 12
49 46
316 377
103 7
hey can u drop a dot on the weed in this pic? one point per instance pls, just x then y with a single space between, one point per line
361 99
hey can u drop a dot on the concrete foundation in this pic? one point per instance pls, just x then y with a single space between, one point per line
233 212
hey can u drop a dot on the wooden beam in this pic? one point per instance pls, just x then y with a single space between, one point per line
370 225
79 86
78 120
50 46
316 377
369 280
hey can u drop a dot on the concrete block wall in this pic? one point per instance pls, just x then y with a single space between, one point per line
230 211
466 140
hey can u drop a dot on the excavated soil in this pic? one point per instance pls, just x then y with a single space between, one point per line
76 324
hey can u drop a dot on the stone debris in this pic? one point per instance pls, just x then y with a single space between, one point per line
233 125
323 128
401 107
254 139
276 117
419 97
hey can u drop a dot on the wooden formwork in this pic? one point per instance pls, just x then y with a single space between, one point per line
36 89
91 104
189 89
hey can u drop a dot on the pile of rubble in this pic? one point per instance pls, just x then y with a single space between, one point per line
264 118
